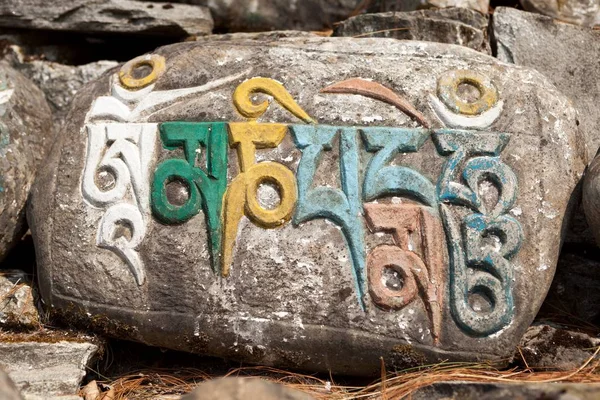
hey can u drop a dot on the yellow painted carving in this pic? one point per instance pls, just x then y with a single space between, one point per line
448 86
240 197
154 61
243 102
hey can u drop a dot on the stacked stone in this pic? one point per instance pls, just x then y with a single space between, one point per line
407 184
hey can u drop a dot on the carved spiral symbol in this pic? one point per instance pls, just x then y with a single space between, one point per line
448 92
154 61
245 106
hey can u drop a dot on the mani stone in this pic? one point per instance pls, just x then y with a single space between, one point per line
316 203
244 388
581 12
448 25
25 136
107 16
410 5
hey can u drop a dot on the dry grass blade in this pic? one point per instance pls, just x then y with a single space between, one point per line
149 384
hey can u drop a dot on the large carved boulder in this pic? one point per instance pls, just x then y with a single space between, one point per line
25 134
310 202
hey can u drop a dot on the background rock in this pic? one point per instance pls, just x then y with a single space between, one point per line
25 137
17 302
60 82
243 389
46 370
551 348
460 26
266 15
411 5
581 12
108 16
567 55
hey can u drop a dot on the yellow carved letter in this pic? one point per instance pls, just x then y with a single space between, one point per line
246 137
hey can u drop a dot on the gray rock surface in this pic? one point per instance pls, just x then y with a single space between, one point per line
581 12
8 390
17 301
138 266
60 82
46 370
242 389
108 16
265 15
25 137
410 5
503 391
553 53
545 347
460 26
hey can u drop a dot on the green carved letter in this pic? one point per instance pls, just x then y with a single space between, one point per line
205 189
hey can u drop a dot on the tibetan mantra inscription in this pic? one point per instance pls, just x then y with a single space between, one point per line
435 248
305 203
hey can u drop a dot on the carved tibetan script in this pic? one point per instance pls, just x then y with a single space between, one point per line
449 245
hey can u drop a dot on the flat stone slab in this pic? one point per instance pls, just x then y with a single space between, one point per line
46 370
454 25
310 202
110 16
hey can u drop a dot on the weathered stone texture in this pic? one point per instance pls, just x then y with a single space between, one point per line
449 25
46 370
242 389
296 293
411 5
581 12
25 137
110 16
